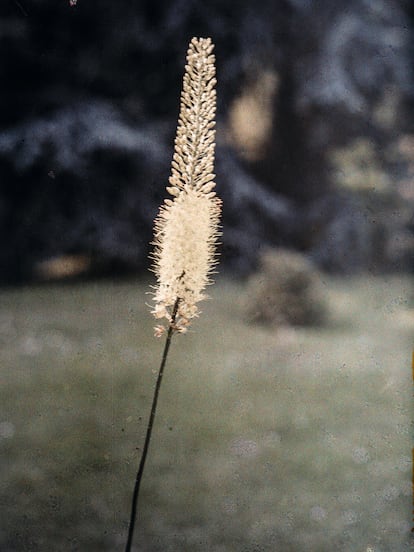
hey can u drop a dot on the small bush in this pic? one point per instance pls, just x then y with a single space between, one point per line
285 290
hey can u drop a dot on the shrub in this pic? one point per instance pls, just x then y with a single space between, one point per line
286 290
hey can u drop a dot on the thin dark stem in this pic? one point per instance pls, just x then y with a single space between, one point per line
149 430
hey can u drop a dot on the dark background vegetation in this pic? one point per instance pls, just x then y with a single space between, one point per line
314 123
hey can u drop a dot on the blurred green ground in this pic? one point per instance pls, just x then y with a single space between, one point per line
292 441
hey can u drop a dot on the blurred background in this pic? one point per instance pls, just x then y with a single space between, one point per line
315 130
285 417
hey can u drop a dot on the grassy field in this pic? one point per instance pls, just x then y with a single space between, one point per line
297 440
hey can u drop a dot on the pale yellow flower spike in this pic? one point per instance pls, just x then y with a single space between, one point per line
186 228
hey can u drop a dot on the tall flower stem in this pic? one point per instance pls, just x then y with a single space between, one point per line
149 429
187 226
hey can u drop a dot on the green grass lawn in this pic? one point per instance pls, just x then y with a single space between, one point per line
297 440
